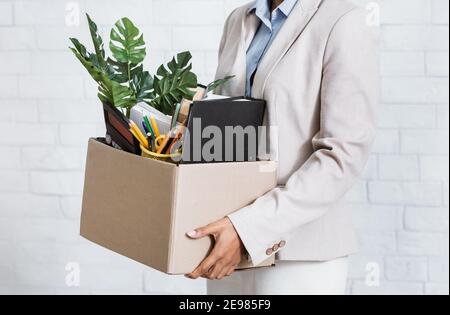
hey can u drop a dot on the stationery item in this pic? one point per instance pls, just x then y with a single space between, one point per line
118 131
230 119
151 143
138 134
211 97
155 126
148 126
176 143
139 111
201 92
186 104
135 128
164 146
159 141
145 127
175 116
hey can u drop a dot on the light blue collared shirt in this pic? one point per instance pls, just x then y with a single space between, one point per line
271 23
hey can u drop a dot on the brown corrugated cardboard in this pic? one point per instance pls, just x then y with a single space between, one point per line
142 208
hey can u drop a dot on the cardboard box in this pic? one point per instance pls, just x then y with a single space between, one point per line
142 208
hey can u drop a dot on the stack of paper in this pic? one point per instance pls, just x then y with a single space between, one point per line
143 109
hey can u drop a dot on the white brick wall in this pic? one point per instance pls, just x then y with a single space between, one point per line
400 205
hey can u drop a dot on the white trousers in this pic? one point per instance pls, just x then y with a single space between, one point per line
287 278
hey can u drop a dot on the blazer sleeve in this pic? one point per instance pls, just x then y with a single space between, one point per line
349 95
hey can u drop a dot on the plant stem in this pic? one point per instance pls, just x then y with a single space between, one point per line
129 75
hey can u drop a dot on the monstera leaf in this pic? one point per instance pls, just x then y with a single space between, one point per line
122 80
85 58
123 72
97 58
127 43
142 85
173 83
117 94
80 48
98 43
215 84
128 48
109 91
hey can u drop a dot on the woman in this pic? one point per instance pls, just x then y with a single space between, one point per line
315 63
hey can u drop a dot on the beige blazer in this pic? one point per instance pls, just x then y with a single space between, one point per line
320 81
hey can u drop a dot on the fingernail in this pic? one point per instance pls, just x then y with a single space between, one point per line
192 234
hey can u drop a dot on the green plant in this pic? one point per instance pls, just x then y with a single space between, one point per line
215 84
174 82
121 78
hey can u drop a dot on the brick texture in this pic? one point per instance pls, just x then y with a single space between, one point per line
400 204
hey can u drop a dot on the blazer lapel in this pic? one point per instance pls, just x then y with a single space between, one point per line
289 33
248 28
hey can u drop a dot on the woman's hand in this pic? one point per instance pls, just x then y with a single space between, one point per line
226 255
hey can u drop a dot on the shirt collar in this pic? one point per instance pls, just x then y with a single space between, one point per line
262 8
287 6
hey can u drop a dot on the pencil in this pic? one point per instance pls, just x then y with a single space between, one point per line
144 142
138 134
155 127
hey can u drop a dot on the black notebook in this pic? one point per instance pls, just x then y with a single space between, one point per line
223 130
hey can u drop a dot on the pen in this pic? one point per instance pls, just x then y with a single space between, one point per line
145 127
150 141
149 126
155 127
154 145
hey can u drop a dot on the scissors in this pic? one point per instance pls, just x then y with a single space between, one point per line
160 142
165 143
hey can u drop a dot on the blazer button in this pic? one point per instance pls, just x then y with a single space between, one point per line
282 244
276 247
269 251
